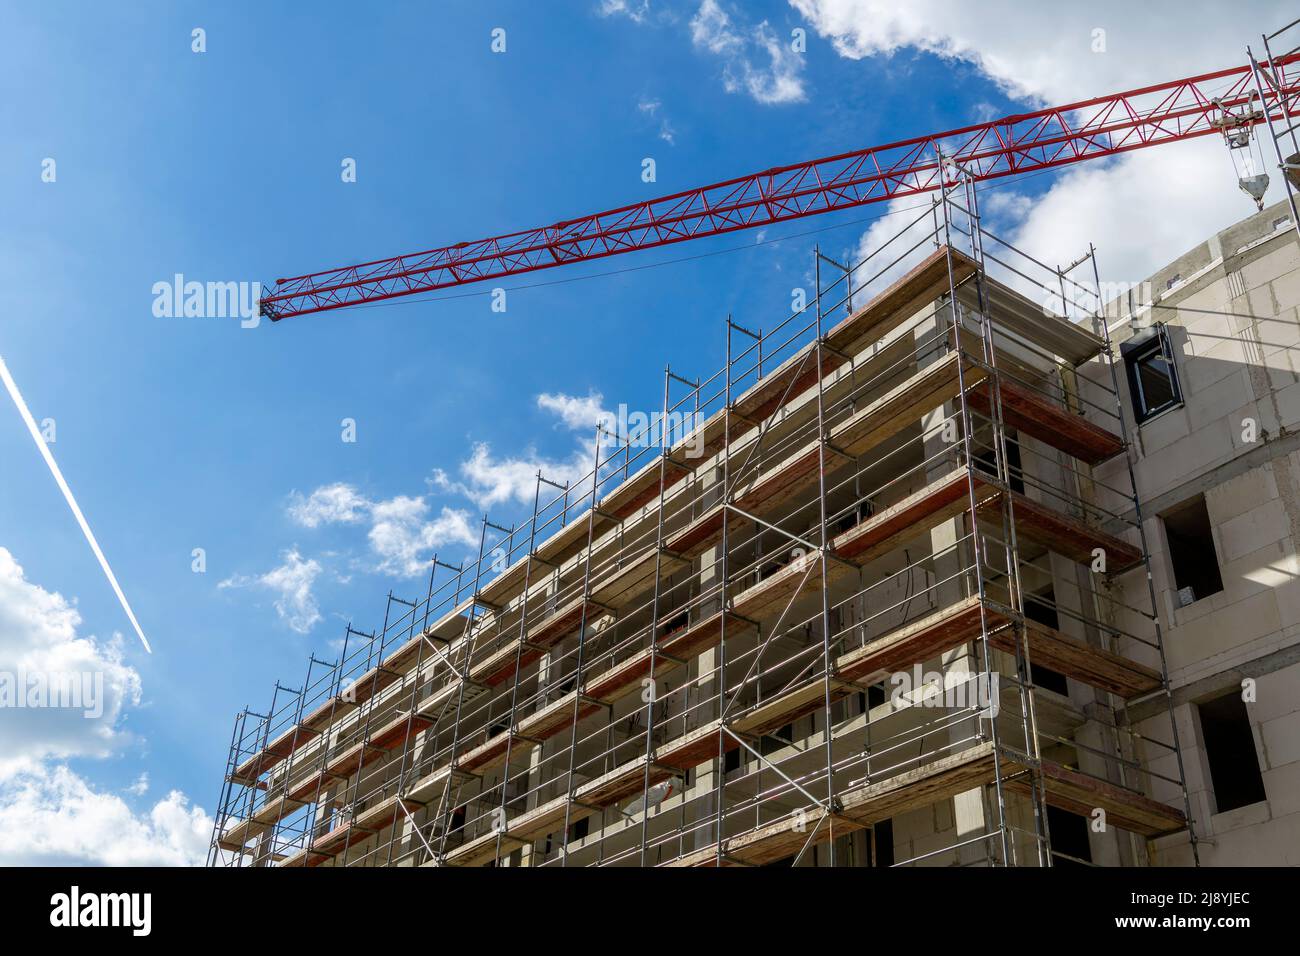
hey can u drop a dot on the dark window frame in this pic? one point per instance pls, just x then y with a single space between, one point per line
1135 355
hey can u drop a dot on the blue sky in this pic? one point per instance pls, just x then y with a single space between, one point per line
184 433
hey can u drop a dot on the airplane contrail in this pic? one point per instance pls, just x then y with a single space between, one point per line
67 494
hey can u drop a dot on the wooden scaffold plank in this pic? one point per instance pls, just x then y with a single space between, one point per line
1027 411
918 641
904 405
1081 793
1075 658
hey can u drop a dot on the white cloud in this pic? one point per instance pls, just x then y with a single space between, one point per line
330 504
579 413
489 480
755 60
906 222
51 816
635 10
292 583
403 531
492 481
401 534
1004 204
1045 52
711 29
1141 209
497 480
651 108
38 636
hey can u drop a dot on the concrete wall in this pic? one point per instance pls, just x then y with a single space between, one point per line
1230 306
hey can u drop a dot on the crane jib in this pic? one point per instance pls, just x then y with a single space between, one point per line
1013 145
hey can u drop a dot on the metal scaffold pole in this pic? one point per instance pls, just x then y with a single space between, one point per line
973 511
824 547
570 780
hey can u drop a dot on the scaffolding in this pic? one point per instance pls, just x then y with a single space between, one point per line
1283 122
803 616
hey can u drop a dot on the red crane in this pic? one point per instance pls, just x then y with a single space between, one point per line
1229 102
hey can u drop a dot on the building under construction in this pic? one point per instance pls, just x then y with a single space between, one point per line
878 592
